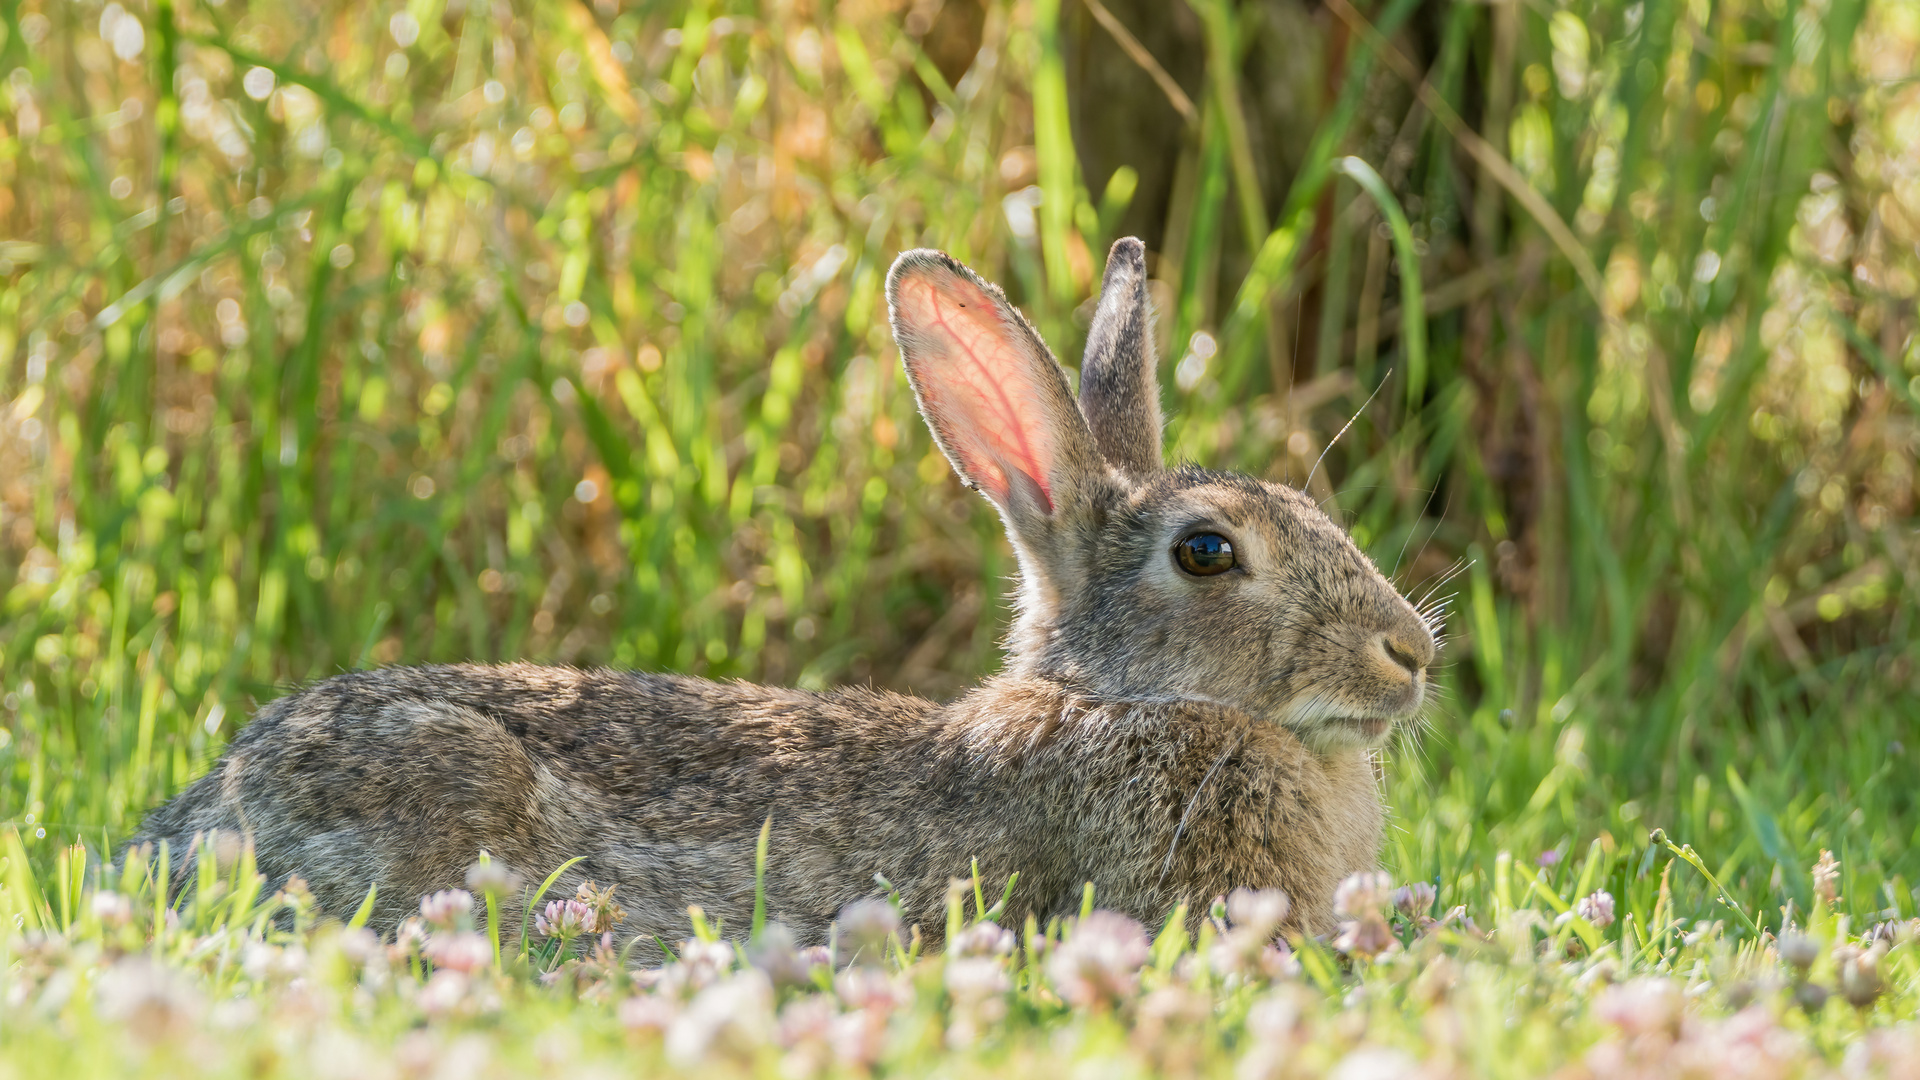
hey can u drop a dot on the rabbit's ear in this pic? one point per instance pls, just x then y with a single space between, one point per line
1118 391
997 401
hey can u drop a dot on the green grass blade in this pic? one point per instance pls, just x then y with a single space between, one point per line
1413 310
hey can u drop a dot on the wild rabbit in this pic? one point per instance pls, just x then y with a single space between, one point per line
1199 669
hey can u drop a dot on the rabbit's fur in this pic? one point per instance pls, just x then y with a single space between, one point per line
1164 736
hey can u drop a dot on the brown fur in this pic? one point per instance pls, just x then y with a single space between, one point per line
1164 736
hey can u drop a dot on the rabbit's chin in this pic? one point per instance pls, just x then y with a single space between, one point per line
1330 734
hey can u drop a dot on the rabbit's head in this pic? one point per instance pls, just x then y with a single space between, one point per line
1137 580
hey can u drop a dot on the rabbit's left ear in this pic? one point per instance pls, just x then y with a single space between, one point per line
997 401
1118 388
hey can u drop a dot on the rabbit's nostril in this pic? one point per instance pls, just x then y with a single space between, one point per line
1402 657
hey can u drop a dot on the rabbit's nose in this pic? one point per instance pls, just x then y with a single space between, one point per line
1412 650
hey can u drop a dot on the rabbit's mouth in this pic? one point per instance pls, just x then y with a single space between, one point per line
1371 728
1329 730
1331 725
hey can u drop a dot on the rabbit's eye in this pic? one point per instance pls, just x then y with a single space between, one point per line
1204 555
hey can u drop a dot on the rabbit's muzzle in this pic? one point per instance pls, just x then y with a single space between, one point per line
1362 688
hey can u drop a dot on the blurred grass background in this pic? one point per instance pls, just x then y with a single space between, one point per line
344 332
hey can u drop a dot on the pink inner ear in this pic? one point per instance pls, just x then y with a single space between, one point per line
978 377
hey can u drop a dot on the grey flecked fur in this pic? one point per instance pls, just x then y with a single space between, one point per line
1166 737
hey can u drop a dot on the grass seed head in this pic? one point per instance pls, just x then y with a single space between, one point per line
1826 877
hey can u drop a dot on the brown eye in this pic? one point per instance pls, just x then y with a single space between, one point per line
1204 554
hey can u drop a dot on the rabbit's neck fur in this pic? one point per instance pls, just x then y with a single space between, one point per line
1172 799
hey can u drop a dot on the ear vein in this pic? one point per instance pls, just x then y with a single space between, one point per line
1009 415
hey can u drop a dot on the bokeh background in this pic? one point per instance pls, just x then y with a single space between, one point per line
346 332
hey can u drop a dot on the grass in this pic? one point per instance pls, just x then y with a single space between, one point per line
342 334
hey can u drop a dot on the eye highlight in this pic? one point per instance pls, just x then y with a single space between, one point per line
1204 554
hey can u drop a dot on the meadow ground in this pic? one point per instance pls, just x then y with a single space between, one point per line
336 334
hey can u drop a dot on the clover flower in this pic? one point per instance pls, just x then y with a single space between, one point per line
1100 960
701 964
1799 952
774 954
1415 900
1362 899
358 945
1597 908
1361 894
262 961
866 926
805 1031
492 879
112 909
606 913
444 909
444 993
564 919
648 1012
1860 981
1643 1006
1259 911
732 1017
1365 937
156 1003
872 989
1248 949
978 987
858 1036
984 938
462 951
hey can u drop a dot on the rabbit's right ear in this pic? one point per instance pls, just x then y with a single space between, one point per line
997 401
1118 390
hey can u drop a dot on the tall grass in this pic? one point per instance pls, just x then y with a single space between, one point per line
344 334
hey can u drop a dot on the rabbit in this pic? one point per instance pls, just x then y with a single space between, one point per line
1198 675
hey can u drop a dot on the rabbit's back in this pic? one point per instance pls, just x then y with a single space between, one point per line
399 777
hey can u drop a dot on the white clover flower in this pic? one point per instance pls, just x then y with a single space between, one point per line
1260 911
1361 894
984 938
733 1016
446 907
564 919
1100 960
112 909
462 951
1597 908
1415 900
